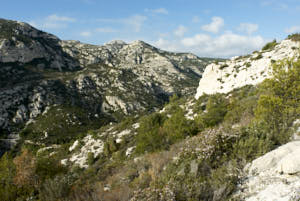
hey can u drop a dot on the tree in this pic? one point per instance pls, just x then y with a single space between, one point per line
279 104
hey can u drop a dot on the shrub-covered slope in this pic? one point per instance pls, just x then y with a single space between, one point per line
190 150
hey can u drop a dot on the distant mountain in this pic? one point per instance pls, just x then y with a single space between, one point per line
38 71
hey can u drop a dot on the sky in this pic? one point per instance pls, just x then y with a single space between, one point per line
214 28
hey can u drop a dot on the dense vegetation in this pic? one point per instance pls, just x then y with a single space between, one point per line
175 158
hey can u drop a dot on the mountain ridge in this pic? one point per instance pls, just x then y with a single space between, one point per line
38 71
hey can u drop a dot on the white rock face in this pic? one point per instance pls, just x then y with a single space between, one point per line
274 176
90 145
251 70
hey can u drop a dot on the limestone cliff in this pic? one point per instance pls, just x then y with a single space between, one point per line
223 77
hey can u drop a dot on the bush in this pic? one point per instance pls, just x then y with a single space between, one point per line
223 66
279 104
177 127
259 56
294 37
270 45
216 109
150 135
48 168
55 189
8 191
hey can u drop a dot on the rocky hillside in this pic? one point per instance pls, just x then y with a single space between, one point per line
223 77
101 124
39 71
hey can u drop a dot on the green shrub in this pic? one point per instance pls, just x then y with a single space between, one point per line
216 110
150 135
223 66
270 45
8 191
259 56
294 37
55 189
90 158
177 127
48 168
279 104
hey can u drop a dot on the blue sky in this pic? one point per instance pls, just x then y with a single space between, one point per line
212 28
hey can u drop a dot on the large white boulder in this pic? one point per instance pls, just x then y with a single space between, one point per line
274 176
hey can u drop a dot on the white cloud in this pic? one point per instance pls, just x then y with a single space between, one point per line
167 45
180 31
105 30
196 19
214 27
53 22
158 11
86 34
225 45
57 18
274 4
248 28
196 40
293 29
136 22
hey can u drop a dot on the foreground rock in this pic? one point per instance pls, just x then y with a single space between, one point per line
274 176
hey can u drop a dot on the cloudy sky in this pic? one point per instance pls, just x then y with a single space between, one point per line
215 28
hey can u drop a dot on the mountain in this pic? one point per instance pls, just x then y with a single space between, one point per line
40 72
121 122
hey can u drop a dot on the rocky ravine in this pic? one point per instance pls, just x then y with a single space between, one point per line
223 77
39 71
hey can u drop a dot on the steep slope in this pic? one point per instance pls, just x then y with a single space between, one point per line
223 77
40 73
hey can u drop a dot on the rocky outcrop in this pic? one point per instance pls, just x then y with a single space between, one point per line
237 72
274 176
21 43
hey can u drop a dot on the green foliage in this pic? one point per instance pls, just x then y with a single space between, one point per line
150 135
259 56
110 147
8 191
270 45
241 105
216 109
157 132
223 66
294 37
279 104
62 124
48 168
177 127
55 189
